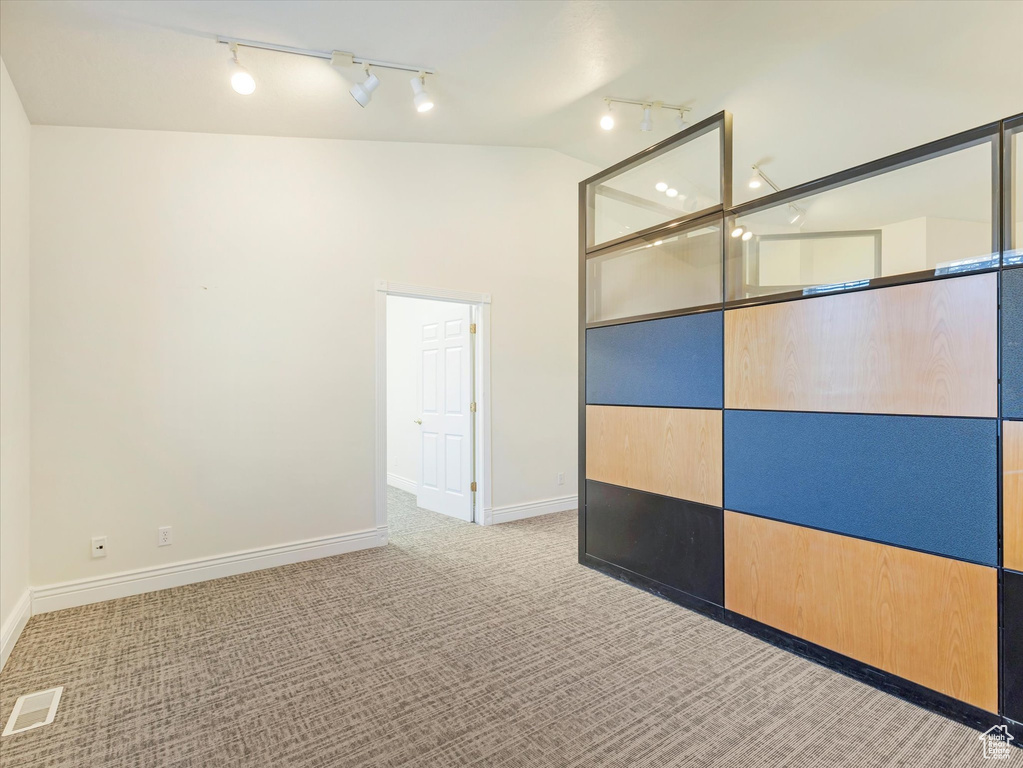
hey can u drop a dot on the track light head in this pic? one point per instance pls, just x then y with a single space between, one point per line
420 98
241 80
680 120
737 232
756 181
747 236
607 122
363 92
661 186
671 192
647 124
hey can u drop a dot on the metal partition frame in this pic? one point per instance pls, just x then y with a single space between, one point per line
999 134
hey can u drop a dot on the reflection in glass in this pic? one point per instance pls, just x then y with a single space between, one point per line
654 275
930 217
683 179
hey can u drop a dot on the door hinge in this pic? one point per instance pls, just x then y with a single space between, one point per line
472 407
472 327
472 486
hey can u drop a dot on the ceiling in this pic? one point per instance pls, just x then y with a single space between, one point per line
813 87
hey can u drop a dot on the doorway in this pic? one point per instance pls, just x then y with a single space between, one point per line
432 402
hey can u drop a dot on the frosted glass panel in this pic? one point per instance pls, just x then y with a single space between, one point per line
656 275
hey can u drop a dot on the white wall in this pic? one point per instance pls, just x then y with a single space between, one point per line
405 319
202 310
15 401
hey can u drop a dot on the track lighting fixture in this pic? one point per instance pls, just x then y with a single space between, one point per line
661 186
420 98
607 122
747 236
647 124
759 179
671 193
738 231
241 80
796 215
363 92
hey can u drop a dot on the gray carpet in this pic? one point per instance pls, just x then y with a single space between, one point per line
454 645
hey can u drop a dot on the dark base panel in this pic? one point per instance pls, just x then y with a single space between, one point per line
684 599
676 543
907 690
1016 729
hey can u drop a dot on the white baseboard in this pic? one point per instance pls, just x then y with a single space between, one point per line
94 590
401 483
531 509
11 630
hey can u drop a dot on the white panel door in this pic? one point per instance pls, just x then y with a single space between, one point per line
444 395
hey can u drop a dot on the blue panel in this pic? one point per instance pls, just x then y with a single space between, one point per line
923 482
1012 343
677 361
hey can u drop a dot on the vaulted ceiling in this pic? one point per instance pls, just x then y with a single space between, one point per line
813 87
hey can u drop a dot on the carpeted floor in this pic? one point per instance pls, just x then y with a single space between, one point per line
454 645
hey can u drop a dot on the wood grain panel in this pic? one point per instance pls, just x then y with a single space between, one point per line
925 618
924 349
1012 494
671 451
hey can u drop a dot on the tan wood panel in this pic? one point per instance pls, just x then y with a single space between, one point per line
1012 494
928 348
926 618
670 451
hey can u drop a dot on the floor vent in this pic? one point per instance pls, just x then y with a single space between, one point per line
33 710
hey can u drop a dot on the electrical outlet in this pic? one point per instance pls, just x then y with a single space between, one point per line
163 536
561 478
99 546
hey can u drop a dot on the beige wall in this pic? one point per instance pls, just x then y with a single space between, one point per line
203 329
15 408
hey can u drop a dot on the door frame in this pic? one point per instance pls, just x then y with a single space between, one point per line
481 373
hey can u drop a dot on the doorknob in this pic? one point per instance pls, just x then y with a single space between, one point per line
418 421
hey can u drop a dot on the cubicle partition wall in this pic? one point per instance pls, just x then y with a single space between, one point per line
803 415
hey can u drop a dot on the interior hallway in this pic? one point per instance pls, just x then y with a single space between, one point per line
454 645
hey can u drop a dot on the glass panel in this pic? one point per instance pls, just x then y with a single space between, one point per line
930 217
656 274
1014 197
683 179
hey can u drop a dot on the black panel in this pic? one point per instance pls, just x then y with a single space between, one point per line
674 542
1012 645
